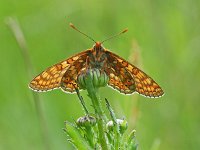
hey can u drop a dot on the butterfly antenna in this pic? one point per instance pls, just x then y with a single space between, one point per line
71 25
124 31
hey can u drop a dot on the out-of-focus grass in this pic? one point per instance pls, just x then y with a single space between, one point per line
168 35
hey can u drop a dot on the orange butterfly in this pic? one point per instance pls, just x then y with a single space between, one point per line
123 76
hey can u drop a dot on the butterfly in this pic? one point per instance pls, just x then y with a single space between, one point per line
123 76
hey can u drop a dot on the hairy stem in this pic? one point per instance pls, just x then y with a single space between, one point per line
93 94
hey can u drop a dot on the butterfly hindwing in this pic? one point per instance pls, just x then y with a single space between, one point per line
119 78
69 79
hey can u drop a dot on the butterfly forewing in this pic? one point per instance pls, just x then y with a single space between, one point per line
129 79
51 77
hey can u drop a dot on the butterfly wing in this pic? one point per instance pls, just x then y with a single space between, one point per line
50 78
68 81
129 79
119 78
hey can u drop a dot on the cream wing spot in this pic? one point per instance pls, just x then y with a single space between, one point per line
56 75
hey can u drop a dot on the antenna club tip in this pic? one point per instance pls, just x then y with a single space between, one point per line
125 30
71 25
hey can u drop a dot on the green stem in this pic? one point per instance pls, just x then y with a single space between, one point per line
116 126
82 102
93 94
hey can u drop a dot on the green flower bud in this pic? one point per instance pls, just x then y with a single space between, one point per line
123 125
86 121
99 78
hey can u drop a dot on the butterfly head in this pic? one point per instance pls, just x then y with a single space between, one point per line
98 44
98 47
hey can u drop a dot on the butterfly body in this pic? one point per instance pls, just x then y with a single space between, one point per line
123 76
97 57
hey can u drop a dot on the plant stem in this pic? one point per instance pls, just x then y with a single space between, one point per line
116 126
93 94
82 102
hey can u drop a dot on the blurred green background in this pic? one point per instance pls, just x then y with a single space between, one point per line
163 39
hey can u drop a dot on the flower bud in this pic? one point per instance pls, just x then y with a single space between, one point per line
86 121
123 125
99 78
